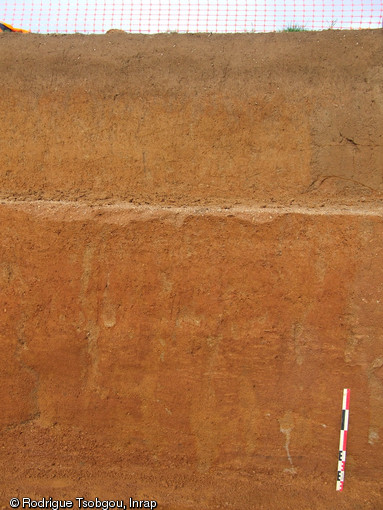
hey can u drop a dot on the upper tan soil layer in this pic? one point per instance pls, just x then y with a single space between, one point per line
191 268
188 119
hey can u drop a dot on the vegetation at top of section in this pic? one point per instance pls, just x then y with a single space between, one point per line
294 28
301 28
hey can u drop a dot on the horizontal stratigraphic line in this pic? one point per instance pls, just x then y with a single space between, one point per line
91 210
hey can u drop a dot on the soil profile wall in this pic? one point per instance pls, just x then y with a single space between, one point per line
191 267
185 119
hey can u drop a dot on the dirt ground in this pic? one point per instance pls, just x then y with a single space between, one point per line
191 268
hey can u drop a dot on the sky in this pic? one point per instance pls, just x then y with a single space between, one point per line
153 16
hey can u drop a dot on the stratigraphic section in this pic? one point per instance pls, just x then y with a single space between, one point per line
193 119
217 336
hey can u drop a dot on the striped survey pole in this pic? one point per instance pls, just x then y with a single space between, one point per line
343 440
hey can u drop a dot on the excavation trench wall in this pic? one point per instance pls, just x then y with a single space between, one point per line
191 259
183 119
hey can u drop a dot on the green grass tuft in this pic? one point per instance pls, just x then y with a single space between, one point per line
294 28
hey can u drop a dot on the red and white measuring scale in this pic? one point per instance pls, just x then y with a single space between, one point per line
343 440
